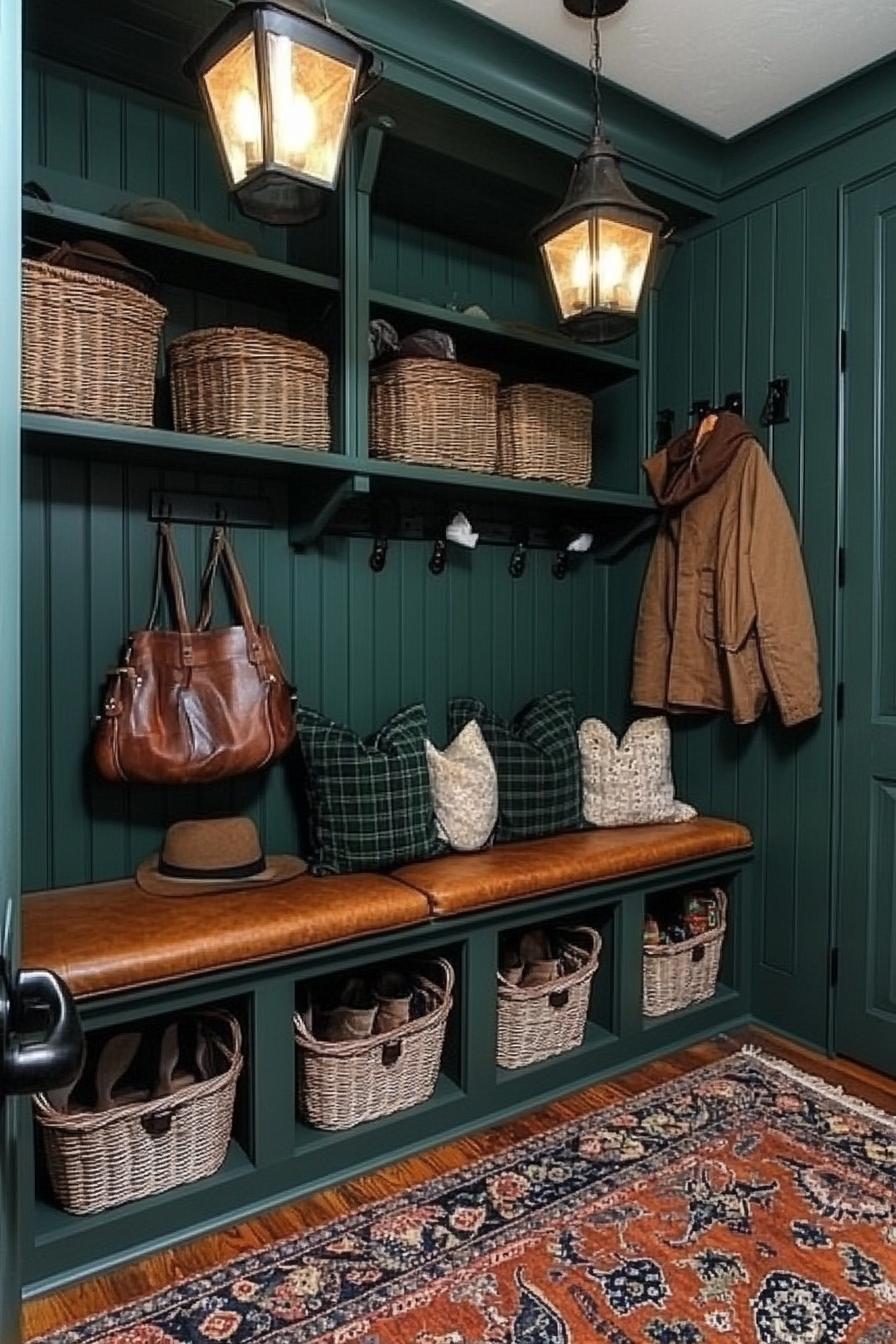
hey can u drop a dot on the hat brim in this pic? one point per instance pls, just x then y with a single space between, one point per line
281 867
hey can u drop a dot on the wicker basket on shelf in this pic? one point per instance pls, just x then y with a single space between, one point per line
544 1020
544 433
679 974
343 1083
435 412
240 383
97 1160
89 345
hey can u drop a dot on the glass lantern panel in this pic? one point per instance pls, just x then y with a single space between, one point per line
232 89
623 252
569 264
311 102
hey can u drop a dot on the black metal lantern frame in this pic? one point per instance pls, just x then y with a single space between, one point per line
599 248
268 184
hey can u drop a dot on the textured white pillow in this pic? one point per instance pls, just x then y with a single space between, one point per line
464 789
629 783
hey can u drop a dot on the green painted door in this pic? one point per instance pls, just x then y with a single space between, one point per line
866 994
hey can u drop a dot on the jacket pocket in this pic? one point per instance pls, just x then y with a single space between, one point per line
707 610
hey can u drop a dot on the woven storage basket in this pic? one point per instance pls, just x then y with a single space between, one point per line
89 345
436 412
343 1083
239 383
544 434
101 1159
684 973
548 1019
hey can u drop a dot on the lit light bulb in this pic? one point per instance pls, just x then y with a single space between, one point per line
581 268
300 126
247 117
611 269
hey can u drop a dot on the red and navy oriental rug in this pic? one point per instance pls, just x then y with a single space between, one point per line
742 1202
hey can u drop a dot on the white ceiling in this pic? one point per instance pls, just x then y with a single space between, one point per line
724 64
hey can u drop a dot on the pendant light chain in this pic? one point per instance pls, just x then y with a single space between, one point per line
596 65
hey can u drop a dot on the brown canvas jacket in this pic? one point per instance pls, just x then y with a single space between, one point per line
725 616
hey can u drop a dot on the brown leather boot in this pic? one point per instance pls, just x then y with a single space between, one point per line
351 1018
392 992
537 956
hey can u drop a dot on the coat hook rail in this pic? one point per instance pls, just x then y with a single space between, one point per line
178 506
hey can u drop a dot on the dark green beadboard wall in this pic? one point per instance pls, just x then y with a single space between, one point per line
755 297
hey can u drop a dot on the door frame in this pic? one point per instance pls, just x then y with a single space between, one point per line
12 1113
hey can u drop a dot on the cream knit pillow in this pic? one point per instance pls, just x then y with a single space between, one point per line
629 783
464 789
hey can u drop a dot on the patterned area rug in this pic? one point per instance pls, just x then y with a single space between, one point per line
745 1201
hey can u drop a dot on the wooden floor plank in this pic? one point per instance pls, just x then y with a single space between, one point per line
64 1309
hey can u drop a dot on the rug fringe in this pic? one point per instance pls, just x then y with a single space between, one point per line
833 1091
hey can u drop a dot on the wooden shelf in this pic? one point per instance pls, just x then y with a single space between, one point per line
332 480
174 259
515 350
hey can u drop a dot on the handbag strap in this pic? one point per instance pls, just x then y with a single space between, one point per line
168 567
221 554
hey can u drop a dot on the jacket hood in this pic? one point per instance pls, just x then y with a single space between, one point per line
685 469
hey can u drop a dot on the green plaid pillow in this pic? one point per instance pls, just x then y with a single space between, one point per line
370 800
537 759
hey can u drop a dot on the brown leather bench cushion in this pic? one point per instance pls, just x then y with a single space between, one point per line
113 936
536 867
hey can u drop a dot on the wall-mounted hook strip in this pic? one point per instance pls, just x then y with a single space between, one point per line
776 410
178 506
439 558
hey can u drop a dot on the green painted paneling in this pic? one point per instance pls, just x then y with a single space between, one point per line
359 645
746 301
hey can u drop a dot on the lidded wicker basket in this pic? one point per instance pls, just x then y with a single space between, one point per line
679 974
544 1020
90 345
544 433
436 412
97 1160
343 1083
241 383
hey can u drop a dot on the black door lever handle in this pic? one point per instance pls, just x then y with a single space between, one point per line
55 1058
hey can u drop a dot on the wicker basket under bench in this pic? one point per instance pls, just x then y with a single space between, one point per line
344 1083
544 1020
97 1160
679 974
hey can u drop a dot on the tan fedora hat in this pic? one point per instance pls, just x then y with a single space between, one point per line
198 857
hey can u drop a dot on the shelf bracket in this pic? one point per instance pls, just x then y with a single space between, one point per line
315 507
616 545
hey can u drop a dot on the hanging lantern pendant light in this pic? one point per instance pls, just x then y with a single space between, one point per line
599 247
279 80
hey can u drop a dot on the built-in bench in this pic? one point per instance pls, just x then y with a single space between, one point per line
130 957
114 936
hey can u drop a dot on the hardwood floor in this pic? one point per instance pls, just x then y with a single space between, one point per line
148 1276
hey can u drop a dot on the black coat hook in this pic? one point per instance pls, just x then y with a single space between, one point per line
560 567
378 554
439 558
776 410
517 566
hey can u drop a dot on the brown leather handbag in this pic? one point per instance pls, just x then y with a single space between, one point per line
193 705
